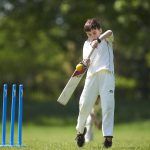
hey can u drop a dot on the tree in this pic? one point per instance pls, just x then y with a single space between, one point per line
41 42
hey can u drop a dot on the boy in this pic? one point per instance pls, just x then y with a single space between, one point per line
99 81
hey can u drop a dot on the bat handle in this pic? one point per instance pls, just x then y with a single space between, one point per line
91 53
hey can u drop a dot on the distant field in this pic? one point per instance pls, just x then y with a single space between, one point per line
132 136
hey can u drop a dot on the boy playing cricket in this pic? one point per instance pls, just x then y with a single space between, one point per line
99 81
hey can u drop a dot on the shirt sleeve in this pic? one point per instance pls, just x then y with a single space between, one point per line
85 50
110 39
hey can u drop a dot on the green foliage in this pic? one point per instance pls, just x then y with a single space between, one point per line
41 42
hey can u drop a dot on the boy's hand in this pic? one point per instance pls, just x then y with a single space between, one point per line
94 44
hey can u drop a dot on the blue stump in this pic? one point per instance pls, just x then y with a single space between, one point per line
4 114
20 114
12 114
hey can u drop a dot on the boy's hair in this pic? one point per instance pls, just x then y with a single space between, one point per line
92 23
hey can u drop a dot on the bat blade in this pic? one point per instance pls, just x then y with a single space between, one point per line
70 87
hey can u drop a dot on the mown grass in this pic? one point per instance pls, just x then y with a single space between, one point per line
131 136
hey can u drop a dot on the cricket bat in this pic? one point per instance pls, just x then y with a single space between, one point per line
73 83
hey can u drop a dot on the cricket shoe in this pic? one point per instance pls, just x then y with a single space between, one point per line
108 141
80 138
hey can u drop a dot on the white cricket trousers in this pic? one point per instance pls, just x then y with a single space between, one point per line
101 83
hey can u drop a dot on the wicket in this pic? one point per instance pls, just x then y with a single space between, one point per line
4 115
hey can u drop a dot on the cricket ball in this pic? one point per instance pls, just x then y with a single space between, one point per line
79 67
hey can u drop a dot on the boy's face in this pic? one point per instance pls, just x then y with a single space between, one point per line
94 34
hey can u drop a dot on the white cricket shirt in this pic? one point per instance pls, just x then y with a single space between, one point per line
102 57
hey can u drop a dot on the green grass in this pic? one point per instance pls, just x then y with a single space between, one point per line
131 136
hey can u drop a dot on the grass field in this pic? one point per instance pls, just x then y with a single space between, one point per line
131 136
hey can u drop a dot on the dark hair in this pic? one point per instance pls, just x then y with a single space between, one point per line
92 23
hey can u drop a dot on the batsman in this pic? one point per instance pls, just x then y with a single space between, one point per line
99 81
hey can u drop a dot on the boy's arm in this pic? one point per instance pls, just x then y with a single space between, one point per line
108 35
110 39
